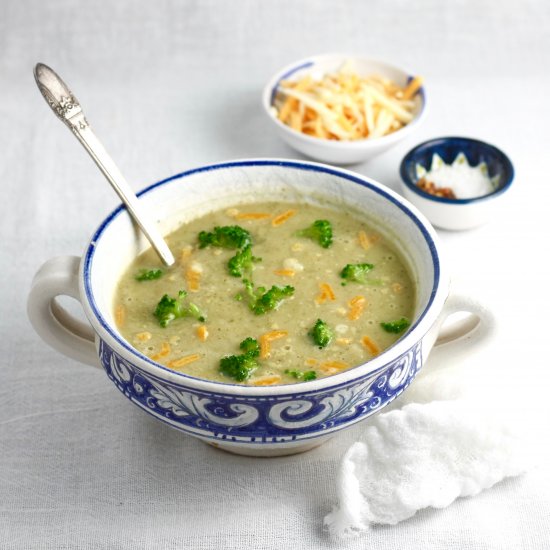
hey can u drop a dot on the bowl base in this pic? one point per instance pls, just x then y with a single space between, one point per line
269 452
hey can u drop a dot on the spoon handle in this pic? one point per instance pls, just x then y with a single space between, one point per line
67 108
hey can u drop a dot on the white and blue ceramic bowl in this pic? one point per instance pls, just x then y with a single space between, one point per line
341 152
456 214
259 421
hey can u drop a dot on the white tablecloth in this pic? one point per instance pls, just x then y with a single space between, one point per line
172 85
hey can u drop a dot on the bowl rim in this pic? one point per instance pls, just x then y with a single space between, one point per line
414 335
291 68
406 180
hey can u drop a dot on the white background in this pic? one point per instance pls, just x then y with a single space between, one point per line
173 85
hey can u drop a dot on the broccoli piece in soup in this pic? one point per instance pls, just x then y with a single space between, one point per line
243 262
240 367
320 231
261 300
250 347
357 273
302 375
169 309
149 274
321 333
395 327
228 236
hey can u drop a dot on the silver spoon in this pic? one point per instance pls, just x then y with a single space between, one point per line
65 105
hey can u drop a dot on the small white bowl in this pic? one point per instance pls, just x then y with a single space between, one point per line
332 151
456 214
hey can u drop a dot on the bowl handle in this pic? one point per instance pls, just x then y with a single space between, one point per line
54 324
457 340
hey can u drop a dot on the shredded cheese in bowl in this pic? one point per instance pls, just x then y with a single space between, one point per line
345 106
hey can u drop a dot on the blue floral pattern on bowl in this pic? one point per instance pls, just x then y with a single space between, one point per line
223 416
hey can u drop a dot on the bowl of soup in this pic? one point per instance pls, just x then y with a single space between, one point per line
304 299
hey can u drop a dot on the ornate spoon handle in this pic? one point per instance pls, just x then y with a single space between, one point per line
65 105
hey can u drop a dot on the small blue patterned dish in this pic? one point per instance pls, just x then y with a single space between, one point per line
474 159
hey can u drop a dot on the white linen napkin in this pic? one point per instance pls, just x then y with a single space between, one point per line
445 438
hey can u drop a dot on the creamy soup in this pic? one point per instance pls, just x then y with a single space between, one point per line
267 293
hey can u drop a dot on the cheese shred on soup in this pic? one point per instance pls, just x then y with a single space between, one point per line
267 293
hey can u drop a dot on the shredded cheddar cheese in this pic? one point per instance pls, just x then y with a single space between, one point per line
252 216
185 254
366 241
143 336
164 351
345 106
267 338
120 315
202 333
370 345
291 105
344 341
332 367
326 294
193 278
356 307
412 87
268 380
285 272
182 361
282 218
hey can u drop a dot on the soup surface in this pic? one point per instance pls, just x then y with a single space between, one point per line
269 300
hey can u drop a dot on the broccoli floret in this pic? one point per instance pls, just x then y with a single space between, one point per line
240 367
319 231
169 309
261 300
243 262
228 236
321 333
250 347
396 327
302 375
251 293
357 273
148 274
271 299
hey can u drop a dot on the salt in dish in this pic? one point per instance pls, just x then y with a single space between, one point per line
457 180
